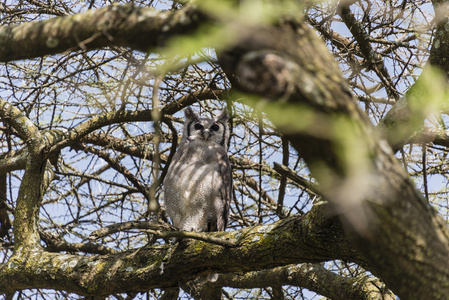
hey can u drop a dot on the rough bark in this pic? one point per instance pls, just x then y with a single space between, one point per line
394 228
115 25
312 238
313 277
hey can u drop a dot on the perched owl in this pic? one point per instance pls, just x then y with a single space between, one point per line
198 184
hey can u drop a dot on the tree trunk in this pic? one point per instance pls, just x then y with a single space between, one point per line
301 89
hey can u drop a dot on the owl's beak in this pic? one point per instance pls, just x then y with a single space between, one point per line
206 134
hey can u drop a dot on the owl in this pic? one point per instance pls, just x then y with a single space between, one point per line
198 184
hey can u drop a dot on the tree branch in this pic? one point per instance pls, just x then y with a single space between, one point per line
111 229
33 182
398 125
313 237
313 277
373 59
113 25
25 128
290 174
56 244
306 97
95 123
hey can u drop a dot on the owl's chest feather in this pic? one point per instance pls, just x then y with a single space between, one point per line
194 174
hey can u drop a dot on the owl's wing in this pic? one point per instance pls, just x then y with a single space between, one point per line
224 169
172 195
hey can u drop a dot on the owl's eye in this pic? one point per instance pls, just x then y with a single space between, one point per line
215 127
198 126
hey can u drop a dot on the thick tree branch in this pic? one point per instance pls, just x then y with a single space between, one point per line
186 100
385 216
136 27
95 123
25 128
56 244
14 160
313 277
33 182
313 237
108 230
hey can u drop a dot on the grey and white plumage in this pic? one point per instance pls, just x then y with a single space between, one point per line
198 184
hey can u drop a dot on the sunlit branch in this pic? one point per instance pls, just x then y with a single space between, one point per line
117 25
83 129
250 247
111 229
26 129
57 244
313 277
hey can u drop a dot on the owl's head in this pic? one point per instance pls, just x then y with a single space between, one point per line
210 130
